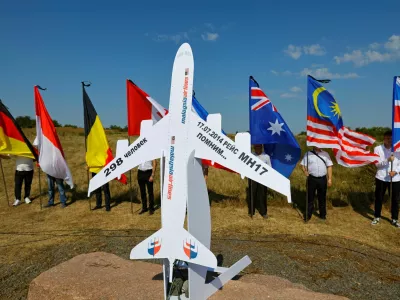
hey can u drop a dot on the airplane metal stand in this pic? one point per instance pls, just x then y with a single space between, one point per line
199 225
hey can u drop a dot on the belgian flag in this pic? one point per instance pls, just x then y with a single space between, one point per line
98 152
12 140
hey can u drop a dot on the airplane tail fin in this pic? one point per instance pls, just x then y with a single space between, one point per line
173 244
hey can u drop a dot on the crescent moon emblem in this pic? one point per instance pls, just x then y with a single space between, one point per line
315 100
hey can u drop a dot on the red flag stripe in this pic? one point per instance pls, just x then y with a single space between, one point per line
368 140
46 123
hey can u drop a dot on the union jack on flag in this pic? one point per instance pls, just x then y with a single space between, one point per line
258 94
396 115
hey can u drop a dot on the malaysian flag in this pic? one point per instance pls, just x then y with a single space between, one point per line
396 115
325 129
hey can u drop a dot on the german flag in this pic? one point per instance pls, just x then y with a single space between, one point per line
12 140
98 152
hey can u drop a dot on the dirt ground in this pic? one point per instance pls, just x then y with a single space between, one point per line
321 263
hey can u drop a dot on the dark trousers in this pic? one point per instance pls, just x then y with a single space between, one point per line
106 189
143 180
319 185
20 177
259 193
380 190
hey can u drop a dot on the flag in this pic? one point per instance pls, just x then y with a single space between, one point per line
202 113
267 127
325 129
12 140
98 152
141 107
51 155
396 115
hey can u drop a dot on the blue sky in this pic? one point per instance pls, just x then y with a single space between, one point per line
59 44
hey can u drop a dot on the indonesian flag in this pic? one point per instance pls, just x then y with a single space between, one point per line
141 107
51 155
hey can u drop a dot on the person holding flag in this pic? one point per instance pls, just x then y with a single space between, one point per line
387 177
51 159
98 152
388 167
269 130
14 142
325 129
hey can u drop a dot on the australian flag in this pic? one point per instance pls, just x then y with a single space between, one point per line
268 128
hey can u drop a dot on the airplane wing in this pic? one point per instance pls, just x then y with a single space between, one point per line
150 145
209 143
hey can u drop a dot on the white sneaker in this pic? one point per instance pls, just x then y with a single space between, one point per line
16 202
375 221
27 200
395 223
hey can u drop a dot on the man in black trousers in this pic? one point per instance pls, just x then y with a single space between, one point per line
257 193
317 166
145 177
387 177
107 196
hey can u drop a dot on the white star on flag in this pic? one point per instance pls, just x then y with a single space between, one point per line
288 157
276 127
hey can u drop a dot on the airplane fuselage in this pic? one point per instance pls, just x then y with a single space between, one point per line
175 175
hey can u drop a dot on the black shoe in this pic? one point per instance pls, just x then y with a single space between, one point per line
323 218
143 211
265 216
63 205
151 211
108 208
96 207
48 205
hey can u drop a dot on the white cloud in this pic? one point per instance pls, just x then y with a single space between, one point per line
284 73
365 57
324 73
289 95
173 37
315 49
393 43
209 36
296 89
293 51
296 51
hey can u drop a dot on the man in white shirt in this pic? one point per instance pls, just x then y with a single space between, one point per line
317 166
256 190
384 174
145 178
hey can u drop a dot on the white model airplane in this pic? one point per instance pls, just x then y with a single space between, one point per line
180 137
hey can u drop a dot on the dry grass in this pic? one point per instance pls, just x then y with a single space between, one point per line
349 206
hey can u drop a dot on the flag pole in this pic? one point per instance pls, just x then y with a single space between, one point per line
87 169
4 181
391 185
306 213
130 181
40 190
